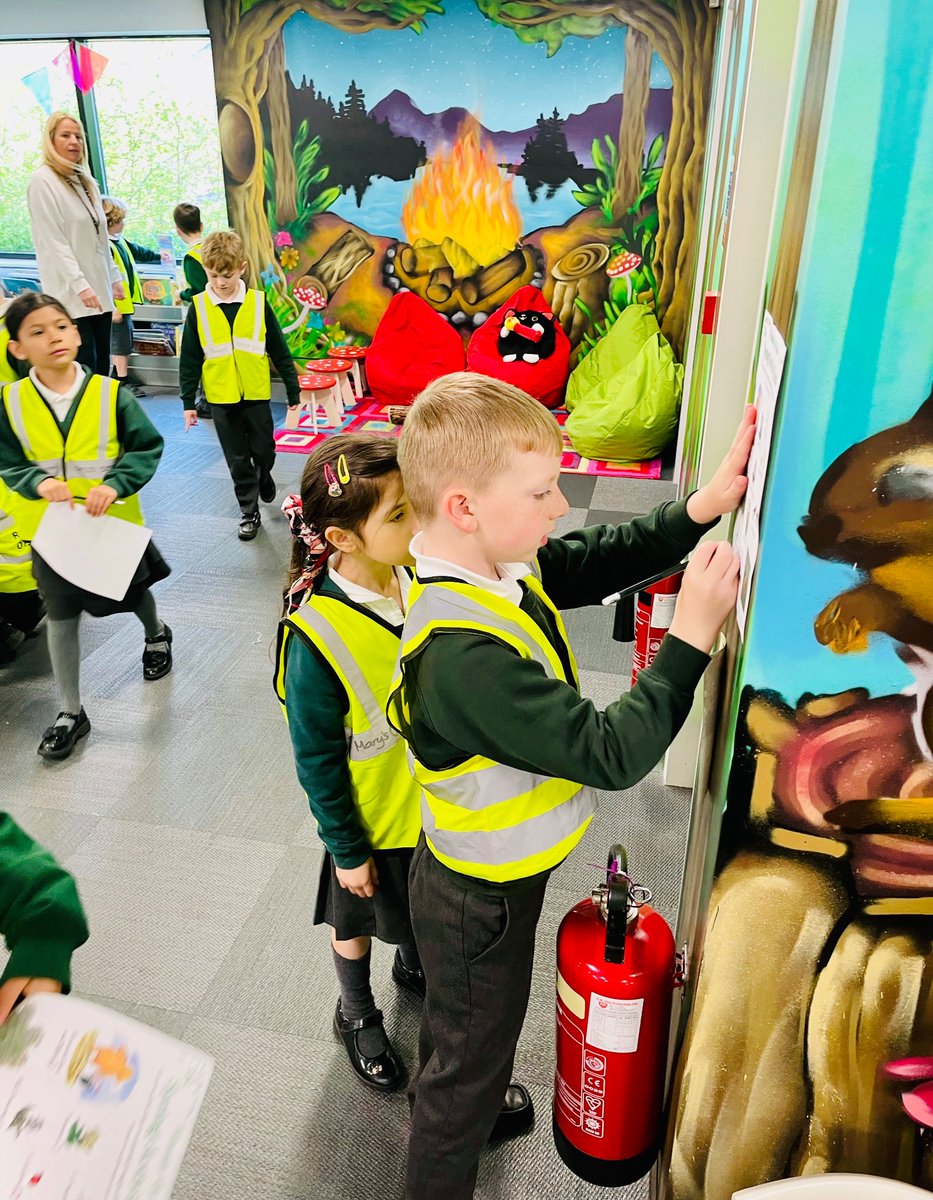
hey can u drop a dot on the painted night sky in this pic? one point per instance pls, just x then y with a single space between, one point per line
462 59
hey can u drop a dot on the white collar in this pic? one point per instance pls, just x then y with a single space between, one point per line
237 298
506 585
48 394
381 605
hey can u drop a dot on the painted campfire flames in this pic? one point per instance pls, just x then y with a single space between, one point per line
463 254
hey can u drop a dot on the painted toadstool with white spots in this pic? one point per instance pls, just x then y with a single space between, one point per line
621 267
309 292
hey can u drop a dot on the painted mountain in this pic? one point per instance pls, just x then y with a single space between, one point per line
406 119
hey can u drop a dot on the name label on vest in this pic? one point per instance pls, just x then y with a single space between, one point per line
372 743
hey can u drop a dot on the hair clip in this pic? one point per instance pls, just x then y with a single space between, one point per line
333 487
343 471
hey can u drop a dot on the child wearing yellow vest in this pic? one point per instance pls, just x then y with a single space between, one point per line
125 256
20 606
230 335
68 436
507 751
338 644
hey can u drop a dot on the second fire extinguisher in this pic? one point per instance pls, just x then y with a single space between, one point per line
654 611
616 974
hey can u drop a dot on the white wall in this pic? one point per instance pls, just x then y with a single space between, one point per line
99 18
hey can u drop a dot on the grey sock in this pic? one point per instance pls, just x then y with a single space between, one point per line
356 1000
149 616
65 653
408 953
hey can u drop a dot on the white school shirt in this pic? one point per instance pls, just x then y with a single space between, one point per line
238 297
60 402
381 606
506 586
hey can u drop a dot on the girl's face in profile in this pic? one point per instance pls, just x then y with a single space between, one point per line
47 339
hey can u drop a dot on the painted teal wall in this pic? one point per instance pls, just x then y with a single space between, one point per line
861 349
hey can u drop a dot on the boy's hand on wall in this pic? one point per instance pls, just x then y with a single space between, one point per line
707 595
15 989
725 490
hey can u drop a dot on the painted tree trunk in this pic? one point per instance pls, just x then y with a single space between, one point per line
635 96
286 183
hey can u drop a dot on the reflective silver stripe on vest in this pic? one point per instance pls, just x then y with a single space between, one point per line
483 787
380 736
103 436
15 409
16 559
212 349
6 521
255 344
442 604
497 847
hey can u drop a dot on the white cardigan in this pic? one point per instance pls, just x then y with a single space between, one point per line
72 256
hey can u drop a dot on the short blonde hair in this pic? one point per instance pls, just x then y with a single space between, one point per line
114 211
62 166
223 252
464 428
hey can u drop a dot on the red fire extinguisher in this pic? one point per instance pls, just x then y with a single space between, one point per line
616 973
654 611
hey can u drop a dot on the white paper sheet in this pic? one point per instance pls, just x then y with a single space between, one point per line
99 554
93 1105
746 531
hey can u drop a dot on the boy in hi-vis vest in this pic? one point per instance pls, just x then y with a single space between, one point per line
125 256
506 750
188 226
230 335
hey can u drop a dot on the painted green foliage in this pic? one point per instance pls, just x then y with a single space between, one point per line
551 29
637 231
311 197
401 11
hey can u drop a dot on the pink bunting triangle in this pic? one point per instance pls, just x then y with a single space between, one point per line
87 66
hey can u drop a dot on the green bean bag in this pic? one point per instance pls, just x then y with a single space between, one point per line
624 397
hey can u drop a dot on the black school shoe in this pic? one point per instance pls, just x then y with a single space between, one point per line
249 526
381 1072
157 663
267 489
58 741
516 1116
407 978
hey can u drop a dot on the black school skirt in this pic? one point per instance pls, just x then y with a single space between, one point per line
384 915
63 600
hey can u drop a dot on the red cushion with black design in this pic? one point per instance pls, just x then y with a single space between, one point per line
412 346
546 378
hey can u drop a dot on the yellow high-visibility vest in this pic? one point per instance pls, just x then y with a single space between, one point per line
82 459
131 295
236 366
385 795
195 252
15 553
7 374
481 817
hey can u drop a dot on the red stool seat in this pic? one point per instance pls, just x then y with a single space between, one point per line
316 383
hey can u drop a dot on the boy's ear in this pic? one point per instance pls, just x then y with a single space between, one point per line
16 350
455 507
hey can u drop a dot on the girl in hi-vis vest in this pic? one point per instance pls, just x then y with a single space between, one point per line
68 436
338 643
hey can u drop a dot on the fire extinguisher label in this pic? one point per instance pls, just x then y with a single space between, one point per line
662 611
614 1025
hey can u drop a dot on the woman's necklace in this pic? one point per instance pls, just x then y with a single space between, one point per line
90 206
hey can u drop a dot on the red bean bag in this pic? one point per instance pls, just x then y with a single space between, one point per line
412 346
524 340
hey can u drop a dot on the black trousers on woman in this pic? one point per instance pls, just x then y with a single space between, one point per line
95 342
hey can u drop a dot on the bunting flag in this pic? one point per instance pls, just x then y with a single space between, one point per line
87 66
40 84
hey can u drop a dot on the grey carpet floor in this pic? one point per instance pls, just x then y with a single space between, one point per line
181 817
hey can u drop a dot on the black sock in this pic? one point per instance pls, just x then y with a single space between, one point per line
408 953
356 1000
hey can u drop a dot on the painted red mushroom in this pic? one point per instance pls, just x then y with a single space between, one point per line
309 292
621 267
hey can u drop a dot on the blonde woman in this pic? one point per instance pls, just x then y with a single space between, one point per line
69 233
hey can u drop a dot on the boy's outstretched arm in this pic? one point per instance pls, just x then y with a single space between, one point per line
41 918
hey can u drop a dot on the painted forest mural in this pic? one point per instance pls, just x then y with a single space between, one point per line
461 151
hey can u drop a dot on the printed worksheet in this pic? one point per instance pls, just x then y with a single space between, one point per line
93 1105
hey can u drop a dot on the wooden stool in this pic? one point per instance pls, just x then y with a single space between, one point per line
356 356
335 366
316 390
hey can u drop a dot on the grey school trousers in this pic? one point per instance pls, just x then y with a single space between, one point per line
477 953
